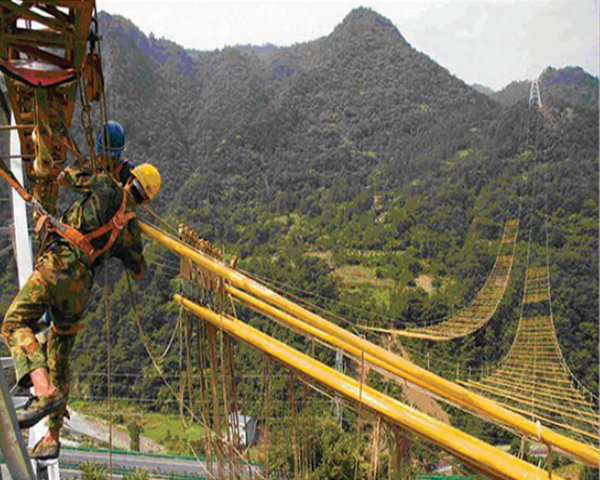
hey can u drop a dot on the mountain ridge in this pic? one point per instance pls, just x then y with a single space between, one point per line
293 78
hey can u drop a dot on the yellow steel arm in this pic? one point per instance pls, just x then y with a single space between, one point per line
473 452
380 357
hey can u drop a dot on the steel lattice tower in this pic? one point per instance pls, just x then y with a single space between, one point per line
534 94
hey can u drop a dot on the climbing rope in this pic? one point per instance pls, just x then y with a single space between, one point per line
221 440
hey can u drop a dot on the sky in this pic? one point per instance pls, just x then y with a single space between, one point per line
491 42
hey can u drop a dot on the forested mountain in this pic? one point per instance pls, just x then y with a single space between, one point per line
571 85
356 168
341 104
512 93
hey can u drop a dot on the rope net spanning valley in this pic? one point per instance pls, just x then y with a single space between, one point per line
534 379
483 306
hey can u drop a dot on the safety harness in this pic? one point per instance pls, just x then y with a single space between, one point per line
84 242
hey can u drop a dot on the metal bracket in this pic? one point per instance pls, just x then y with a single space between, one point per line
11 440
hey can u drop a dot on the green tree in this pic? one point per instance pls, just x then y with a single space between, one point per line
134 430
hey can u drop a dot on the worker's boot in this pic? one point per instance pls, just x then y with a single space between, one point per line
37 408
46 449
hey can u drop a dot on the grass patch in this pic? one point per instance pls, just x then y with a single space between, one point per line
357 276
569 472
169 431
382 298
165 429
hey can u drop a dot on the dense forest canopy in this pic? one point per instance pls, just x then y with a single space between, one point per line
355 168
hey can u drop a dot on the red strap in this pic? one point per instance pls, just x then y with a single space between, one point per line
107 227
74 236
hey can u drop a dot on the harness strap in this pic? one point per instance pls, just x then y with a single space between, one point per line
117 223
67 331
84 242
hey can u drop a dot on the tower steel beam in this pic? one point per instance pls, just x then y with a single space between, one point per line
11 440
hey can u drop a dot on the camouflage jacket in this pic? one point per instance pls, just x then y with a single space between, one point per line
101 199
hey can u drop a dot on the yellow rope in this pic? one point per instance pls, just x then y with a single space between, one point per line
541 405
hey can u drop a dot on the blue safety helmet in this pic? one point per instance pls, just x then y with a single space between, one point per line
111 139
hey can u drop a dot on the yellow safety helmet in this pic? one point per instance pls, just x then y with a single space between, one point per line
149 178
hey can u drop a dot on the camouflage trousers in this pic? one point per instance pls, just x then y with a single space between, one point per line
60 284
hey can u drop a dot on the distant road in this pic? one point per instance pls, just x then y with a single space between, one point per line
85 425
159 465
66 474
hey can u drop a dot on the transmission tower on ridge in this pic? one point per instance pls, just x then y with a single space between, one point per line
534 94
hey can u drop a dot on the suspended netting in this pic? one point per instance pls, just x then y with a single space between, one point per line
485 304
534 379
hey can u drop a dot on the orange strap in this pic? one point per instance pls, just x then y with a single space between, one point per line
13 182
84 242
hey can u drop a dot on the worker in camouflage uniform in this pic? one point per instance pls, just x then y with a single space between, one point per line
95 228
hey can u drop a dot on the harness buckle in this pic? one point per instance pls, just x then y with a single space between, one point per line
117 219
